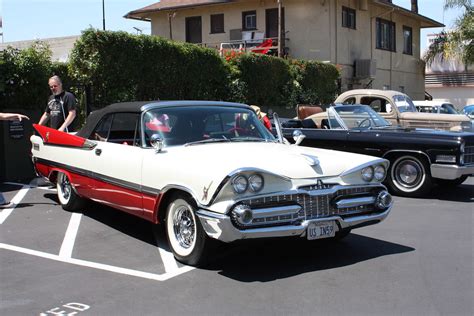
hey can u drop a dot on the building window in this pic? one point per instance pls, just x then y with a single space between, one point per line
249 20
217 23
385 35
348 18
407 40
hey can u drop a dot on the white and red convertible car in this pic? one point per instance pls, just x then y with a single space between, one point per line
210 170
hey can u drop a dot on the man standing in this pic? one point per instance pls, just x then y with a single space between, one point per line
61 108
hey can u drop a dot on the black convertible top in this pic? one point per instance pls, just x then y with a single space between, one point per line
96 116
139 106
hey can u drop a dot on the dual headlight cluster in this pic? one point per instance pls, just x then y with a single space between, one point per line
253 183
370 173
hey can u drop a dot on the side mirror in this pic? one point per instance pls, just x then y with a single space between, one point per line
298 136
278 128
156 142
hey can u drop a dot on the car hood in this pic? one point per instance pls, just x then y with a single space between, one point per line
294 162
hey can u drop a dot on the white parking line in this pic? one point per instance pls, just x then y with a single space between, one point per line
100 266
15 201
167 257
65 253
70 237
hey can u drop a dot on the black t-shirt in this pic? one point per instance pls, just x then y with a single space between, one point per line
58 108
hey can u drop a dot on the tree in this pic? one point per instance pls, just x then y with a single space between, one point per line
458 43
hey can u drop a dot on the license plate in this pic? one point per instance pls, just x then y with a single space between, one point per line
318 230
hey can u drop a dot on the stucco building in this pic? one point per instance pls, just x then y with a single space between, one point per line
375 43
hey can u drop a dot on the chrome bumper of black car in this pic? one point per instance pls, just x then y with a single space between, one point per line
450 172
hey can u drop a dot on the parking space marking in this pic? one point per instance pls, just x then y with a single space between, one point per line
70 237
99 266
65 253
15 201
167 257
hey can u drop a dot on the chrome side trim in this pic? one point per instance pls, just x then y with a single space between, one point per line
100 177
355 202
450 172
406 151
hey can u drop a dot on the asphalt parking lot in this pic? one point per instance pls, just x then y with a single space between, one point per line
104 262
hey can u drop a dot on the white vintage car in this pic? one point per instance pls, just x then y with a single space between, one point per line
210 171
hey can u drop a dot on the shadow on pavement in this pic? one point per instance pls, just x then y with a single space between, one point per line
461 193
263 261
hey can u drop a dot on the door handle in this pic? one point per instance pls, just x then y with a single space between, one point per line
98 151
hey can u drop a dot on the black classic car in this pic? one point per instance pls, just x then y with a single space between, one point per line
419 158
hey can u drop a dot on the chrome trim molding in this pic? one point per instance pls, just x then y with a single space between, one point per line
220 227
407 151
100 177
355 202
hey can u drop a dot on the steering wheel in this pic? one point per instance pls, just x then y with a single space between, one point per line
237 131
363 121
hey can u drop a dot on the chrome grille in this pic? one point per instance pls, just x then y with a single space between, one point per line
469 155
320 204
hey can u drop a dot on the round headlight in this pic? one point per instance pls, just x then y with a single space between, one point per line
240 184
367 174
379 173
256 183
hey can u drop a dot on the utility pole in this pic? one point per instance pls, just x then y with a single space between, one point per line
103 15
279 28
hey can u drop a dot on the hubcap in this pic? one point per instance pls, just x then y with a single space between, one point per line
184 227
408 173
65 187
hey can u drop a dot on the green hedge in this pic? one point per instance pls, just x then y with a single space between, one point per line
118 66
262 80
124 67
317 82
24 77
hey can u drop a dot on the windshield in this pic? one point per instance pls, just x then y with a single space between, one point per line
356 117
448 109
444 108
203 124
404 103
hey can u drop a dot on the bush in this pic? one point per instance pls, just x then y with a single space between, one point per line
262 80
24 77
117 66
123 67
316 81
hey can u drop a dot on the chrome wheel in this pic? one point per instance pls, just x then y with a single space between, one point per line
64 188
68 198
409 176
181 227
186 236
184 227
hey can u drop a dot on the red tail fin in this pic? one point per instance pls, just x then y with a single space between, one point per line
52 136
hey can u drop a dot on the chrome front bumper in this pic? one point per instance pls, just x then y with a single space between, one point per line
450 172
220 227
